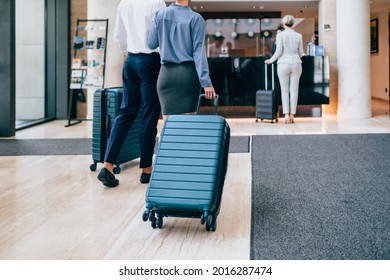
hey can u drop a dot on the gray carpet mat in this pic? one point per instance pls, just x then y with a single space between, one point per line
78 146
43 147
321 197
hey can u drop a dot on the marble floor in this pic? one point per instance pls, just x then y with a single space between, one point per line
53 207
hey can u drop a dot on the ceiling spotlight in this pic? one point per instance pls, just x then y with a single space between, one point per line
234 35
261 7
201 7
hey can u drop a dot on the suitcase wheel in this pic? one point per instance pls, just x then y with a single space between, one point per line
211 224
144 216
117 170
257 120
152 216
92 167
157 222
202 220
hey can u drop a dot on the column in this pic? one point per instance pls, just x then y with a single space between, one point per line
7 68
99 9
353 58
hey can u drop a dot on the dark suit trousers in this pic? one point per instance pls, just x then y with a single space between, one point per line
140 73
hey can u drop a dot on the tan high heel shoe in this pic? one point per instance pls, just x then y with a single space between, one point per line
291 118
286 119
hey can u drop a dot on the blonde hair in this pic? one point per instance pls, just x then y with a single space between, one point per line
288 20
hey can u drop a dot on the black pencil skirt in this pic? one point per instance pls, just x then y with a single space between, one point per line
178 88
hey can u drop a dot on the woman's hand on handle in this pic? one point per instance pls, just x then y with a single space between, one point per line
210 92
268 61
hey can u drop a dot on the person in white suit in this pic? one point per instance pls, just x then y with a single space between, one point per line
289 50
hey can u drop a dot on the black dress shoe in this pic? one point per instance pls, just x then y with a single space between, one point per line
107 178
145 178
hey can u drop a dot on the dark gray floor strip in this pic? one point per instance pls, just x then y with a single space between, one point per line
37 147
79 146
321 197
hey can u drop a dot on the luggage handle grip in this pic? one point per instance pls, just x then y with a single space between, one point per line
202 95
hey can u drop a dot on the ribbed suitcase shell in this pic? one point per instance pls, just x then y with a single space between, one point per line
266 103
190 168
105 109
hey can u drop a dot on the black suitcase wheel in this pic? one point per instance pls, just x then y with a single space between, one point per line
92 167
152 217
209 219
204 217
211 224
144 216
159 222
212 227
153 224
117 170
257 120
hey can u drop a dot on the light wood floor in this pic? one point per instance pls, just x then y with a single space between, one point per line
53 207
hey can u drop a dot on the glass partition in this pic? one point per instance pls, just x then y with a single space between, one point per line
30 61
249 37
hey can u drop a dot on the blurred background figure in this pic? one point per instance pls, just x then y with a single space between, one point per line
215 48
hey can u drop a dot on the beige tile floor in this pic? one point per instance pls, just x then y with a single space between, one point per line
53 207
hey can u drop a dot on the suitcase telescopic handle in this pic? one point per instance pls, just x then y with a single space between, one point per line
215 102
272 76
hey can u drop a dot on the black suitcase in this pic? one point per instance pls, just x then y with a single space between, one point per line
189 170
266 100
106 106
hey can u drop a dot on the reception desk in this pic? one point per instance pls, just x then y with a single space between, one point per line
236 80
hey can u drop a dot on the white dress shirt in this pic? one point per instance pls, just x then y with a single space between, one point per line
133 20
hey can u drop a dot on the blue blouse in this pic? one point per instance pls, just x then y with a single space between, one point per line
180 33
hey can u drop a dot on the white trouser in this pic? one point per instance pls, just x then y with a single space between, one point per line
289 75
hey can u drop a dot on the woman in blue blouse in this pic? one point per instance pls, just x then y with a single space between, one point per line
180 34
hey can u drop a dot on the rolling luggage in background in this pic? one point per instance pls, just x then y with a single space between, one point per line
189 170
106 106
266 100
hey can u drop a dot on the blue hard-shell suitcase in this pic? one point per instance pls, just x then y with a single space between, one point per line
106 108
189 170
